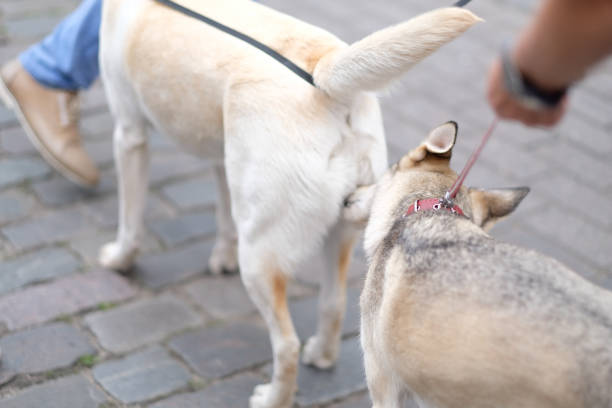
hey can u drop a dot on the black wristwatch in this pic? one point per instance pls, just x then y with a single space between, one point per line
525 90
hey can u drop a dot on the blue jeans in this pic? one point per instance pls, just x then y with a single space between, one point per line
68 57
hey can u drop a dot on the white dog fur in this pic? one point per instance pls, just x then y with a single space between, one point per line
286 153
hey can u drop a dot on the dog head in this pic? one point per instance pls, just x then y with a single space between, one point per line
425 173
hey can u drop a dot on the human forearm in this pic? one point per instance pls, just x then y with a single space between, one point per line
564 39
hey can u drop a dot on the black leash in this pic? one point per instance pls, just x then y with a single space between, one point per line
286 62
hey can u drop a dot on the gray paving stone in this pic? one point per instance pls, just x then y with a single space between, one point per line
88 246
305 315
59 191
51 227
101 151
98 124
577 197
35 267
14 140
522 236
105 211
14 205
142 376
360 401
223 297
170 165
74 391
44 348
63 296
363 401
34 27
93 102
143 322
324 386
161 269
161 143
584 238
185 228
191 194
218 351
232 393
583 166
18 170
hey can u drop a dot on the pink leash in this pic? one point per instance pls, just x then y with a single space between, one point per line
447 201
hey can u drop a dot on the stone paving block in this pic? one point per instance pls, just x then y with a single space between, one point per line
232 393
7 118
98 124
31 28
51 227
185 228
88 246
93 102
323 386
36 267
74 391
142 376
170 165
218 351
223 297
191 193
18 170
105 211
582 166
584 238
101 151
59 191
363 401
14 140
143 322
14 205
304 314
44 348
160 269
63 296
586 135
522 236
567 192
161 143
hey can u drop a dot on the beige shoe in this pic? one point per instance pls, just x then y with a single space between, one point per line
50 119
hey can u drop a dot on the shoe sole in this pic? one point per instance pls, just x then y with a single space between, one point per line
11 103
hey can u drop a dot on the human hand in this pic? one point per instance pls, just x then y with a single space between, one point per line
507 106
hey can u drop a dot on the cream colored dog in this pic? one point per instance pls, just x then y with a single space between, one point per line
286 153
459 320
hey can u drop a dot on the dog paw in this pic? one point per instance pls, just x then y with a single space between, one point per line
223 258
117 257
319 353
263 397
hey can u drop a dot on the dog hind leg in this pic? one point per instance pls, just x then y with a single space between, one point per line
132 159
224 257
322 349
266 285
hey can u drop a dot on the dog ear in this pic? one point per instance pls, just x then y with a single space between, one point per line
357 206
441 140
490 206
439 143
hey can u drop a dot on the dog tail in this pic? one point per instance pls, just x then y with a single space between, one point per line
375 61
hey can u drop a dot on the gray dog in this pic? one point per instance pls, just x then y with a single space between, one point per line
460 320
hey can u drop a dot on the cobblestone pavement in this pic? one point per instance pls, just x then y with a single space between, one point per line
169 335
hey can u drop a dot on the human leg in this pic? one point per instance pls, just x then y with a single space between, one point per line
41 87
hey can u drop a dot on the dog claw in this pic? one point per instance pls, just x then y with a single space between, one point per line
117 257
